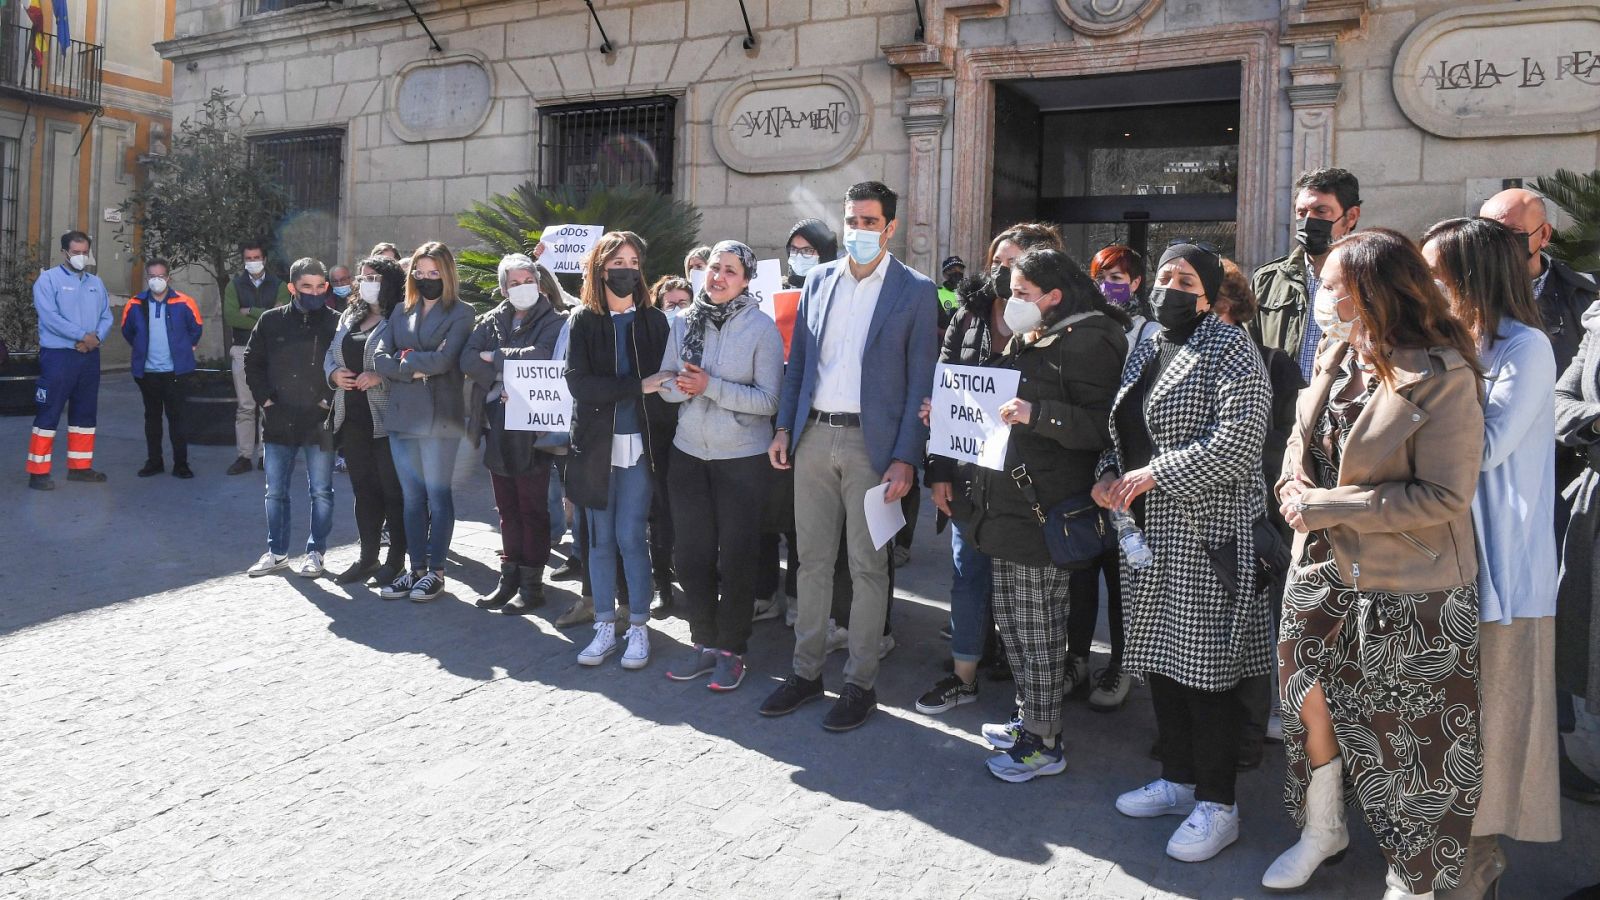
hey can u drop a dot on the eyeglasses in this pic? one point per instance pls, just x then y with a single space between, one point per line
807 252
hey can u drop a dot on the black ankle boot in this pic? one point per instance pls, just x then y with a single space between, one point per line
504 591
531 595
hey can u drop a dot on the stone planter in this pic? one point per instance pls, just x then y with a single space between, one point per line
19 378
209 408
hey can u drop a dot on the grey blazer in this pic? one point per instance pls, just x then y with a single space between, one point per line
434 405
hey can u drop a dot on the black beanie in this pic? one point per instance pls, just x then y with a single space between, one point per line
1207 264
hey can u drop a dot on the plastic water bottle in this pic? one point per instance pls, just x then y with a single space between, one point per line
1131 540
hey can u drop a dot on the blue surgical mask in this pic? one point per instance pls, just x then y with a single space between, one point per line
310 303
341 291
800 266
863 246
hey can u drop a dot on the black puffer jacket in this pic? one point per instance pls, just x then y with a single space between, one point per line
596 389
505 452
283 364
1070 375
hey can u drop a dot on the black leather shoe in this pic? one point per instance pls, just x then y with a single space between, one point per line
152 467
661 604
571 570
41 483
530 595
387 573
1576 785
791 695
852 709
182 470
360 570
86 475
504 591
239 467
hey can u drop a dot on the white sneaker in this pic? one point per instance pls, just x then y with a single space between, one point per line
885 645
838 638
605 641
1207 832
768 608
637 654
269 562
1158 798
311 567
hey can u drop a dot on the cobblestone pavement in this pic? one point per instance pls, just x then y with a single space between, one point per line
173 729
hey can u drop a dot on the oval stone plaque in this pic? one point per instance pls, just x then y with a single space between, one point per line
438 99
792 122
1101 17
1503 69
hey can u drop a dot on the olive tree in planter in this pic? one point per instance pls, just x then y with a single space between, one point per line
198 203
19 327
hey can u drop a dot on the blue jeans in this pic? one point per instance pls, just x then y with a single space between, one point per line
319 477
620 528
969 597
424 465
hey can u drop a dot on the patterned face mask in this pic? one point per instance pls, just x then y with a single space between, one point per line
1326 311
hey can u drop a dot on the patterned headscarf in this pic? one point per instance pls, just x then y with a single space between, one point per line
703 311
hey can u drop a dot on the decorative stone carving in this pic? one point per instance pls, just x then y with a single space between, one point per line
1314 89
1102 17
925 119
439 99
1503 69
793 122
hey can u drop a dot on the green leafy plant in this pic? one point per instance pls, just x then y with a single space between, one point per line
512 223
205 197
19 268
1579 197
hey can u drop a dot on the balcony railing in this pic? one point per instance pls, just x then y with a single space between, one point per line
70 79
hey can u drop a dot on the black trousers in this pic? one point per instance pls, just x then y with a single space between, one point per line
1081 620
164 393
376 488
717 507
661 528
1197 736
769 573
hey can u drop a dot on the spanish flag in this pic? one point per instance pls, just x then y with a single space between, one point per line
40 42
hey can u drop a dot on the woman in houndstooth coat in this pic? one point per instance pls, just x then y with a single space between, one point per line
1188 425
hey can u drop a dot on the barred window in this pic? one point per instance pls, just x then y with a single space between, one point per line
620 142
10 193
252 7
310 166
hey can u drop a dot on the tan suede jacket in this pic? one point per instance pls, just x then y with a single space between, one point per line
1401 518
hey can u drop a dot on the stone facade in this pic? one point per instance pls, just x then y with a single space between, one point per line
1317 88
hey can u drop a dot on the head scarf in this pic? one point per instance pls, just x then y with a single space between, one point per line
818 235
703 312
1207 264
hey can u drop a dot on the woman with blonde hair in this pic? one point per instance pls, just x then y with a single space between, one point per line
617 338
419 355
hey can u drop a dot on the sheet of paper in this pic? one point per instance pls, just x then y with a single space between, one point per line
536 396
697 280
965 419
884 520
766 285
565 246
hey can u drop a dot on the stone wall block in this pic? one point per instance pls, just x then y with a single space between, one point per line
573 69
1381 157
775 53
667 21
416 198
264 77
534 77
652 63
836 43
445 158
1379 108
513 153
305 72
713 17
695 57
299 107
329 100
398 162
356 64
539 36
461 193
361 97
1454 161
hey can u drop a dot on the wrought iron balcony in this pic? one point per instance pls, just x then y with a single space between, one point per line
33 67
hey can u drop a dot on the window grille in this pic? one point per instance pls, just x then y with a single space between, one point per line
310 167
613 143
10 194
254 7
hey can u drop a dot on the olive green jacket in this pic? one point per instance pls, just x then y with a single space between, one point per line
1280 289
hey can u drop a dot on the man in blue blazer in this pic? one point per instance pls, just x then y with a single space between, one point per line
861 360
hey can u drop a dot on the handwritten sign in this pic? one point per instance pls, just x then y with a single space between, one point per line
536 396
965 419
565 246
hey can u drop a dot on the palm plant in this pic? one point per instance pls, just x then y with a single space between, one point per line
513 223
1579 197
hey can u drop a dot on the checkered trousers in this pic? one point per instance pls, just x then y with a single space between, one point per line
1030 606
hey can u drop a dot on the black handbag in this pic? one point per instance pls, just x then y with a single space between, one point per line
1075 530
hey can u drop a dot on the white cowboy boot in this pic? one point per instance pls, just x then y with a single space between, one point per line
1397 889
1324 838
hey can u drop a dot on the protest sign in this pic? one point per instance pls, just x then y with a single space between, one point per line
766 285
565 246
965 418
536 395
787 306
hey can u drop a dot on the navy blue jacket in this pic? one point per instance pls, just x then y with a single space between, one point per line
183 330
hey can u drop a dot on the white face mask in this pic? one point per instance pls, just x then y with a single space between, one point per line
255 267
1022 316
80 261
863 246
369 292
158 285
1326 312
799 265
523 296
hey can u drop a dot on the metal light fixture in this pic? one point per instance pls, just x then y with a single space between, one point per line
749 36
605 42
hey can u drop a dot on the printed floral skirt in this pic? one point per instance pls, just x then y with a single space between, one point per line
1400 674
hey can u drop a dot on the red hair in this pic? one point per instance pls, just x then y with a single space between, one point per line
1117 256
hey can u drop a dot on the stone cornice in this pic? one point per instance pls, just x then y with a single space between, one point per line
293 24
1323 20
1301 95
935 57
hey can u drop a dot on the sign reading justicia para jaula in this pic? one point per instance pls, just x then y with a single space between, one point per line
1503 69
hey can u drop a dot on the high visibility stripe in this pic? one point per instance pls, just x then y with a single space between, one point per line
40 447
81 442
36 458
38 468
75 429
47 434
79 463
74 455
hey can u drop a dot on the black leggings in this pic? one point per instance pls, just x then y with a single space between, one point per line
718 544
1197 736
1084 586
376 488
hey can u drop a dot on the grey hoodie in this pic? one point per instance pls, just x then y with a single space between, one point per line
732 419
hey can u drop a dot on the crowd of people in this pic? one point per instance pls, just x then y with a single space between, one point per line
1367 473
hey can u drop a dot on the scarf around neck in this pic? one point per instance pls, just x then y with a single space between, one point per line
703 312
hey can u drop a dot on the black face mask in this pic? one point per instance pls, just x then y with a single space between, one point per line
430 288
1174 309
622 282
1314 235
1001 282
950 283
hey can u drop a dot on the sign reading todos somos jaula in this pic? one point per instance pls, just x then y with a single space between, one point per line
565 246
965 418
536 395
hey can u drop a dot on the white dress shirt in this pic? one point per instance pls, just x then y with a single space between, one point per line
844 339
